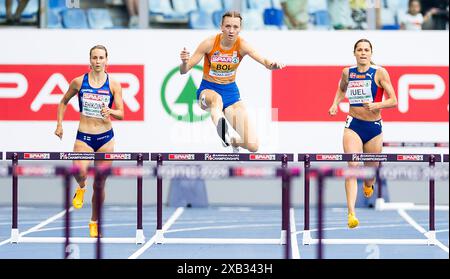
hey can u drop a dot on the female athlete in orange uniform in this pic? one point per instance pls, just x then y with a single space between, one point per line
218 91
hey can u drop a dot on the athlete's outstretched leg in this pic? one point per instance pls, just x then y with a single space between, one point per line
237 115
81 178
211 101
99 189
375 145
352 144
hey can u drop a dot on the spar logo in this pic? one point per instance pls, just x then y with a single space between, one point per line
409 157
33 92
179 95
182 157
329 157
118 156
36 156
262 157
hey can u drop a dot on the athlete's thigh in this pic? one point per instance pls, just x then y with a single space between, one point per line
208 97
352 143
81 146
238 116
375 145
107 147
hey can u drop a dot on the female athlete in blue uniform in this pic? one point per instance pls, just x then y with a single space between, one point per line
364 85
96 94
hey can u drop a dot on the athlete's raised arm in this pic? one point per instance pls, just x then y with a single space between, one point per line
269 64
187 61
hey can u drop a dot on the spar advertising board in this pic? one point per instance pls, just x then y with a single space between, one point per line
287 107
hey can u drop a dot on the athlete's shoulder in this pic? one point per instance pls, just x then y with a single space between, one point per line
376 67
113 83
210 39
346 70
76 82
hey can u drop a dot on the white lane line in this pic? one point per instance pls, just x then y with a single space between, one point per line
152 240
40 225
294 244
418 227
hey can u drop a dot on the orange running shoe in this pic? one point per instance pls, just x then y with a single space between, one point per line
78 198
368 191
353 222
93 229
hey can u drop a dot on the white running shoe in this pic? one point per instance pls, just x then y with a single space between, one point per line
236 149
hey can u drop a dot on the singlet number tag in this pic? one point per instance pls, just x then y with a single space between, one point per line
359 91
93 103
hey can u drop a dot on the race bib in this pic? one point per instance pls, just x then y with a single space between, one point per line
93 104
224 65
359 91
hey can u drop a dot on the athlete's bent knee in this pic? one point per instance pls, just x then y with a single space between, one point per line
252 147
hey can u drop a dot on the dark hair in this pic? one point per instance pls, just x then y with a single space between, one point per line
231 14
363 41
98 47
411 1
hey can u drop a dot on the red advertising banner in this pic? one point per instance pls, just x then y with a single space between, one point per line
33 92
305 93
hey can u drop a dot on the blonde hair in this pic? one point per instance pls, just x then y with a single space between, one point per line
232 14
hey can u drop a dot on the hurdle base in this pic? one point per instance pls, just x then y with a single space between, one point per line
283 237
159 237
79 240
431 235
14 235
140 238
366 241
306 237
381 205
191 240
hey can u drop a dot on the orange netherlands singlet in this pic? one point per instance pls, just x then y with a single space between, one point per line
220 65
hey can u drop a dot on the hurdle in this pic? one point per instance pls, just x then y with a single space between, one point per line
44 171
160 158
406 173
380 203
15 157
414 144
364 157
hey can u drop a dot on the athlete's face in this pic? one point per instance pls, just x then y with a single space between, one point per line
363 53
231 26
414 8
98 60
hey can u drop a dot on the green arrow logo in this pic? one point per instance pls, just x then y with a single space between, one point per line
187 97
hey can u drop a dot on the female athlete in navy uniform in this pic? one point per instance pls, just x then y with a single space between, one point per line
218 91
364 85
96 94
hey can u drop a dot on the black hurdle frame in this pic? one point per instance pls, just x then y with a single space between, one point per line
284 158
366 157
16 156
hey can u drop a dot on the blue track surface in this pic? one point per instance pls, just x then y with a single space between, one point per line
225 222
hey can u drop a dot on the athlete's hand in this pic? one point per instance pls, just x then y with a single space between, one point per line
333 110
59 131
370 106
276 66
106 111
184 55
